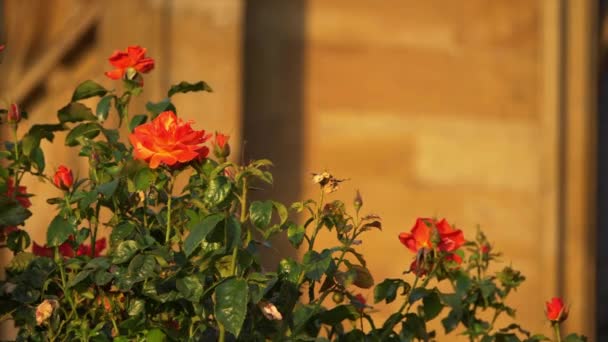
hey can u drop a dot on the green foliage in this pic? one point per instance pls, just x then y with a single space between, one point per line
185 264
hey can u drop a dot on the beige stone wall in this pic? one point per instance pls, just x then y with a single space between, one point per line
436 108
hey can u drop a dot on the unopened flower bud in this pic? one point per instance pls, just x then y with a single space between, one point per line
14 114
358 202
556 310
63 178
221 148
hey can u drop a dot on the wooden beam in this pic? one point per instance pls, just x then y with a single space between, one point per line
73 30
579 200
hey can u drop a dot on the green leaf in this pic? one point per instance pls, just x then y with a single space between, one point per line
431 306
136 306
290 269
142 267
190 287
88 130
387 290
295 234
103 107
20 261
102 277
159 107
338 314
82 275
281 210
363 278
18 240
156 335
88 89
233 233
316 264
75 112
144 178
260 213
108 189
231 299
11 213
451 321
124 251
137 120
218 190
418 293
185 87
199 231
575 338
122 231
59 231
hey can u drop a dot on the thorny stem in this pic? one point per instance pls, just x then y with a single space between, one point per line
222 337
95 228
558 336
169 198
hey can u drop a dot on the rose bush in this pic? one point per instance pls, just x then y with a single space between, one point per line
184 264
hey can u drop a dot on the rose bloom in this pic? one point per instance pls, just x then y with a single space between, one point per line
2 48
67 251
556 310
420 236
451 239
169 140
134 57
63 177
20 196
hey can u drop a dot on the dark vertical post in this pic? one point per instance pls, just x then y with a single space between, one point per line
273 95
602 181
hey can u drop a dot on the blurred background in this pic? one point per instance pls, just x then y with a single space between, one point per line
486 112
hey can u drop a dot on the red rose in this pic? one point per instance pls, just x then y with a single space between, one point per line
65 249
134 58
556 310
168 140
2 48
20 196
85 249
450 239
63 178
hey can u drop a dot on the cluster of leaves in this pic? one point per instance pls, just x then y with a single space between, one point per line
184 264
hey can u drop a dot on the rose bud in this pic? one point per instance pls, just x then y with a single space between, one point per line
14 114
221 149
63 178
556 311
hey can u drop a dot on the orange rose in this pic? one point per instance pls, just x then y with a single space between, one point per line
419 236
63 177
134 58
168 140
